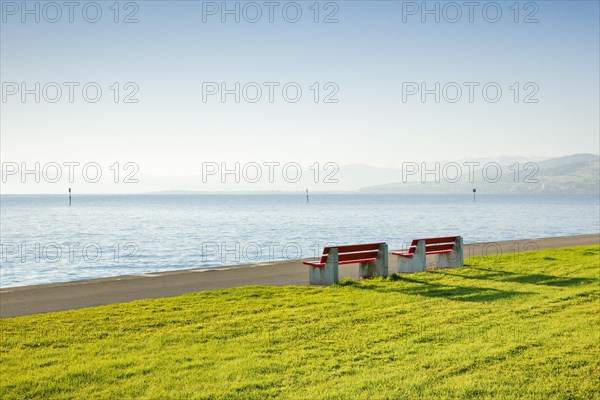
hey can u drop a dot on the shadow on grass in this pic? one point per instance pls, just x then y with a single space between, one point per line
534 279
458 293
549 280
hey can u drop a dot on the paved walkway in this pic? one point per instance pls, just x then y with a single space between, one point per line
65 296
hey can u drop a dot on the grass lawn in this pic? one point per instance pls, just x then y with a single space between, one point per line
514 326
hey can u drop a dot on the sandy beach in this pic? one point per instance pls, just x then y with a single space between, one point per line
79 294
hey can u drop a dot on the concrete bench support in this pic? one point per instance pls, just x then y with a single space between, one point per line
455 258
327 275
379 267
416 263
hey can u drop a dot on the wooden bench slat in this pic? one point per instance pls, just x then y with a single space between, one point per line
438 247
449 239
404 254
360 260
363 260
353 248
439 252
357 256
314 264
351 256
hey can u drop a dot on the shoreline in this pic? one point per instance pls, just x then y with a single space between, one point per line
49 297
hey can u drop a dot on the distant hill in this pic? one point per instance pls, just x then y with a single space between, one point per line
577 173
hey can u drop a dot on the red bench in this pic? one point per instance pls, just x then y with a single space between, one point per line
372 257
448 249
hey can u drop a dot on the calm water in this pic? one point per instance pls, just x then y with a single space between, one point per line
44 240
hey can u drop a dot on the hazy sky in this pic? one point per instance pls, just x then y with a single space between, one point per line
371 61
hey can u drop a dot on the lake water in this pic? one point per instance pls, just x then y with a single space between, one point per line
44 240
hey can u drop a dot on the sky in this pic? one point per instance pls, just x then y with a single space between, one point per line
371 82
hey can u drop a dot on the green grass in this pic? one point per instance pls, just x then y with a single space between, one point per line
508 327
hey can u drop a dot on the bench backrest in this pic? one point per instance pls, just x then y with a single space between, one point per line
353 252
435 244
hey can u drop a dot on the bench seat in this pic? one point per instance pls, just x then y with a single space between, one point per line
321 265
412 254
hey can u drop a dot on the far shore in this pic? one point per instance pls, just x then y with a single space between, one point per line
35 299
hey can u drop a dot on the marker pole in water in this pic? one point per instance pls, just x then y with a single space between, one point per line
474 190
69 197
307 196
